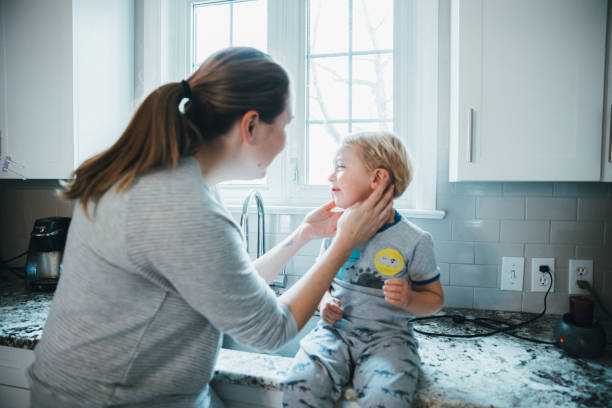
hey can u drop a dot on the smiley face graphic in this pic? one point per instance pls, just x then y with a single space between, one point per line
389 261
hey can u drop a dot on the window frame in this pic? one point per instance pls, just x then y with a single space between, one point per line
415 110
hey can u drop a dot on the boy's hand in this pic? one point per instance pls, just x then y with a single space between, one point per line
331 310
397 292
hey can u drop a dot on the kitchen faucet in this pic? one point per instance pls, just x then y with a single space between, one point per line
261 231
261 224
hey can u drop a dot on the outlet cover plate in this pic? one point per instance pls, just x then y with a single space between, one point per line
512 272
580 269
541 280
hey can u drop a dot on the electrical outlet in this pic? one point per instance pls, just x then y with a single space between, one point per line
541 280
580 269
512 272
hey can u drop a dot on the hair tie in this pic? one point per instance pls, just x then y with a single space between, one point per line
186 89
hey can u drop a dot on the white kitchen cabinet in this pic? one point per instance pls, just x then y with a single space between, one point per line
14 385
527 84
606 157
67 88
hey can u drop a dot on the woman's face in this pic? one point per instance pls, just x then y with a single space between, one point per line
269 141
350 181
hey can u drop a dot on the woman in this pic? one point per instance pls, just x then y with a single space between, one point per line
154 267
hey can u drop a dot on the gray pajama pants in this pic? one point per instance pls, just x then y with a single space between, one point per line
382 363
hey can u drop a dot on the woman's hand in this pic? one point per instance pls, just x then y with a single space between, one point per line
331 310
359 222
397 292
321 222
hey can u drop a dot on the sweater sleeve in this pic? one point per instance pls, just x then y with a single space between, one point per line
191 246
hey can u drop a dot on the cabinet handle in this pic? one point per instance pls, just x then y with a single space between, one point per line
470 134
610 136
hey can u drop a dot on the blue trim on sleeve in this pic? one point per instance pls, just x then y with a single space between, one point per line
425 282
397 219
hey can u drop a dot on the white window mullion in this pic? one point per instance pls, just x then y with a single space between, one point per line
402 52
416 93
287 44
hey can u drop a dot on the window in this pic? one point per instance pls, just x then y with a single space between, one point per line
221 24
349 63
353 67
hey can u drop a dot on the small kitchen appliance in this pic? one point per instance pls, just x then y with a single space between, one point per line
577 332
45 253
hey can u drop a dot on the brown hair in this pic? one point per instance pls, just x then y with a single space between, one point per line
384 150
226 86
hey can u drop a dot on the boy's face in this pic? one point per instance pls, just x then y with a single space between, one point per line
350 181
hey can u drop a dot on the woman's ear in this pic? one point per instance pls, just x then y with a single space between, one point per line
380 176
247 126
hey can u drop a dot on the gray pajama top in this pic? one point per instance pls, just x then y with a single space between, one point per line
398 250
148 285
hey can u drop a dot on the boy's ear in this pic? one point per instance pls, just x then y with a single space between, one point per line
380 176
247 126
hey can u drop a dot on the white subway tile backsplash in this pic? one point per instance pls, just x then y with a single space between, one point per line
549 208
528 189
524 231
440 230
476 230
458 296
500 208
580 189
490 253
561 253
479 188
455 252
457 207
594 209
473 275
444 273
572 232
601 256
605 291
561 277
556 303
496 299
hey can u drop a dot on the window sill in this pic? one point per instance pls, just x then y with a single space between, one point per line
296 210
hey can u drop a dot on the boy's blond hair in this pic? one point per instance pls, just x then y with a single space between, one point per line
384 150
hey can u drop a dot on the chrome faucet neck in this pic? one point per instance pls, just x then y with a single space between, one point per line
244 222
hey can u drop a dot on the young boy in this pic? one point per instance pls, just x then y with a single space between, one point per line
364 332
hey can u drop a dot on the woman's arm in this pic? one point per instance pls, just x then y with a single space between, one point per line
318 223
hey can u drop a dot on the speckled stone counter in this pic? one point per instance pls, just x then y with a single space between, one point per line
22 313
499 370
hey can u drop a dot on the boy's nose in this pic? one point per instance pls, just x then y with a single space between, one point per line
332 176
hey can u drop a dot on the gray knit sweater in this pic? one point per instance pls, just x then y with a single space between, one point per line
148 284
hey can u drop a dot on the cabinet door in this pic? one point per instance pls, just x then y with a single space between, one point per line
68 81
14 385
104 74
37 53
527 81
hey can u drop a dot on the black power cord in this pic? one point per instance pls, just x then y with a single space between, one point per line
489 323
16 270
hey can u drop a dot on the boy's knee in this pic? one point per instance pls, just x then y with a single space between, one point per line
388 390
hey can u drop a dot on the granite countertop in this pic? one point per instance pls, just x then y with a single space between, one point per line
499 370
